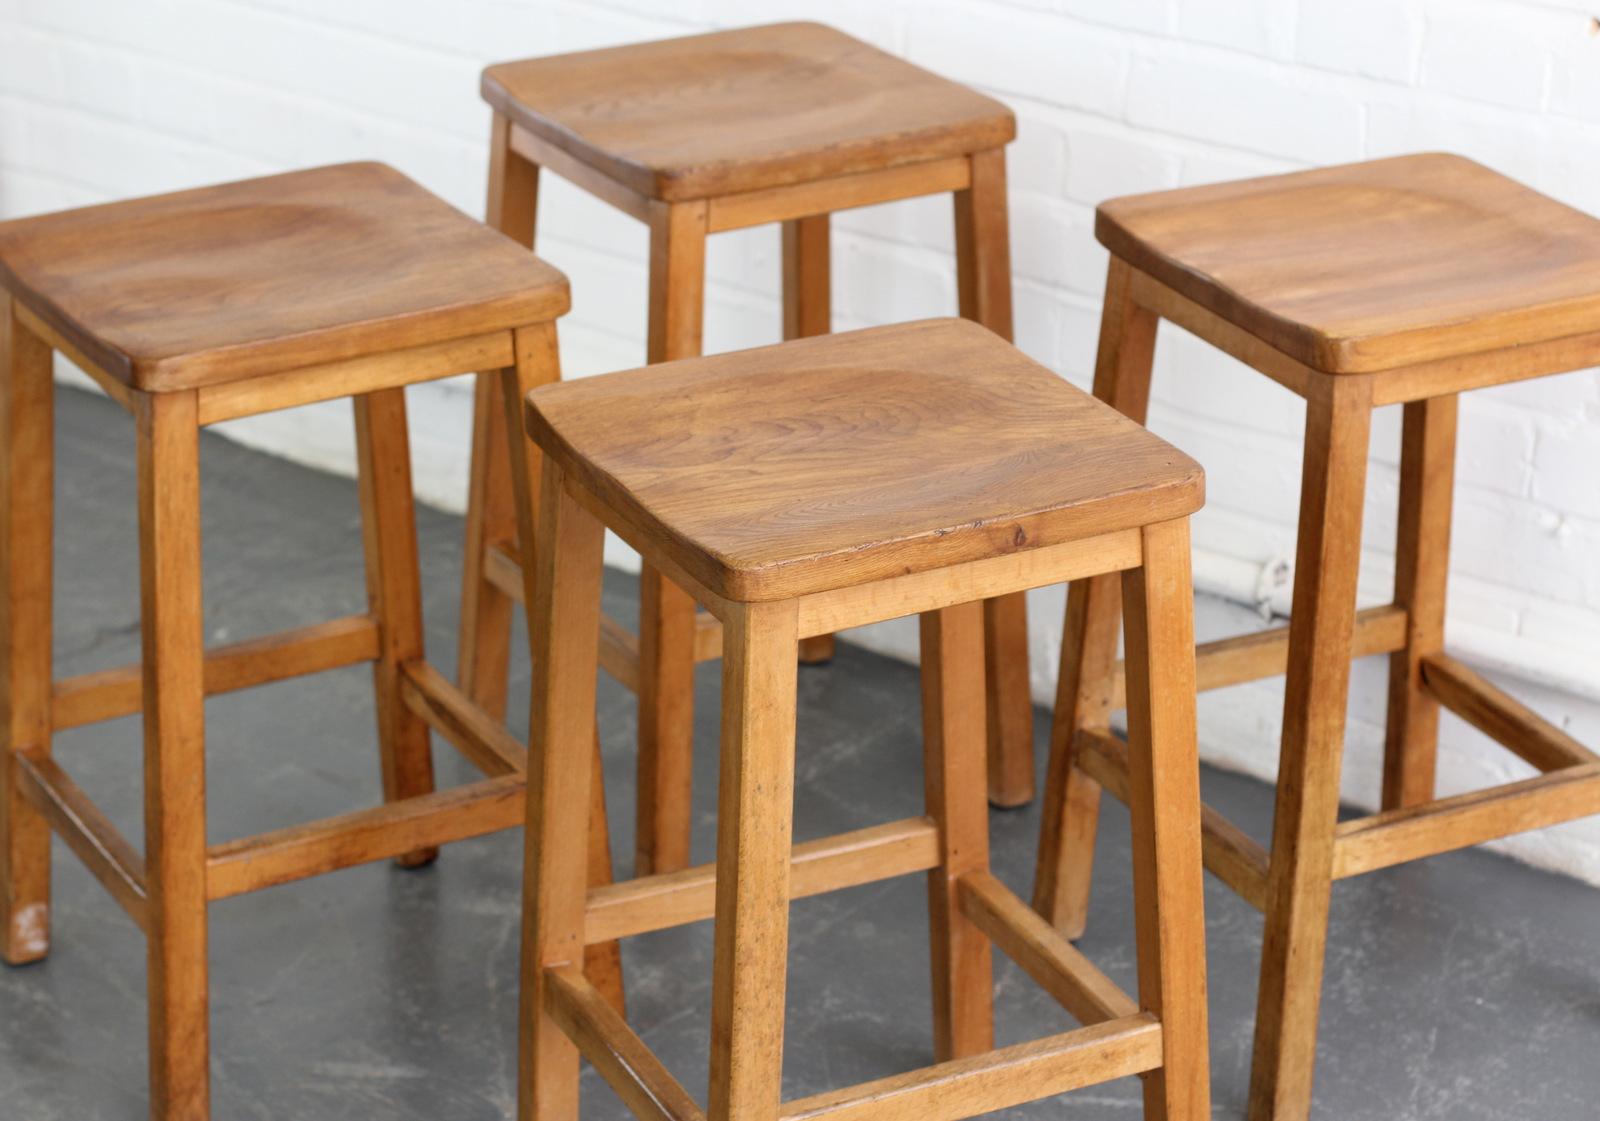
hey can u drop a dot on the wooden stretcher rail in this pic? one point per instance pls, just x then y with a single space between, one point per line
451 713
632 1069
998 1080
825 196
1251 657
1398 836
285 855
827 864
87 832
1058 966
1507 721
93 697
1230 855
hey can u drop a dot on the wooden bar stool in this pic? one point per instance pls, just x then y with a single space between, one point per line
692 136
1402 280
821 484
199 307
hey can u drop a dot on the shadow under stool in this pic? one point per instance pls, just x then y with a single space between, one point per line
1406 280
190 309
785 123
796 490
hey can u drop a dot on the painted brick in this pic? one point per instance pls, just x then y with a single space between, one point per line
1372 38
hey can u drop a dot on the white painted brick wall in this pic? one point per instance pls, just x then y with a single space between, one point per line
102 99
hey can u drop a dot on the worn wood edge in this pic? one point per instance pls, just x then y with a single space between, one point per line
1252 657
363 836
115 387
1231 855
1058 966
919 592
107 854
1501 717
640 1079
1399 836
350 377
1500 366
482 739
878 852
844 192
106 694
1002 1078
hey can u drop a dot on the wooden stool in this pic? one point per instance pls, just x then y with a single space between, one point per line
194 308
1402 280
692 136
828 483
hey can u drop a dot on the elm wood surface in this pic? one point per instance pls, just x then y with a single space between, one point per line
146 284
805 455
827 462
264 275
809 121
1407 280
741 110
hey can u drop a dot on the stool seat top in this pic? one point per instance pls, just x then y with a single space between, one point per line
843 459
265 275
1371 266
710 115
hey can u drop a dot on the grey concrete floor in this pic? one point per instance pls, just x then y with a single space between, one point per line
1466 987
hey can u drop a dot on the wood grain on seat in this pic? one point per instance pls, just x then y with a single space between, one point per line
256 277
741 110
840 459
1371 266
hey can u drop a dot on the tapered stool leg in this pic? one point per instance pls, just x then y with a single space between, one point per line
1065 866
952 724
563 589
1327 559
26 515
666 612
484 653
807 311
983 276
755 806
394 594
172 628
538 363
1164 803
1422 565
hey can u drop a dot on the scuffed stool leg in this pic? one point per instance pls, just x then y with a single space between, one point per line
564 614
1422 564
755 805
172 626
952 730
394 594
1164 802
1065 866
539 363
27 397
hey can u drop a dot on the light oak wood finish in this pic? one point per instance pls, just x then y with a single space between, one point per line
194 308
796 512
1409 281
786 123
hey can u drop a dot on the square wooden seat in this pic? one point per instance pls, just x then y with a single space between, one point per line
859 456
797 490
743 110
197 307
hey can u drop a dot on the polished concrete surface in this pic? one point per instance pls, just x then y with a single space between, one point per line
1466 987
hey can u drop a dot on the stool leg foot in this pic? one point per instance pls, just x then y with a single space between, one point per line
1338 421
394 594
1089 640
175 761
26 484
1422 562
1164 802
755 804
563 594
952 727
